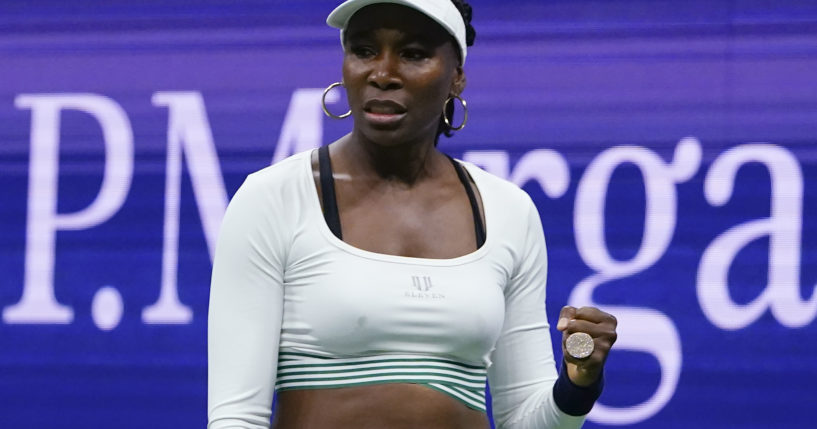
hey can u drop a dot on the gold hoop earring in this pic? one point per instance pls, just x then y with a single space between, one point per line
464 112
323 103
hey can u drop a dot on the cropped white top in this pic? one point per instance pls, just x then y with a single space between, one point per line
292 306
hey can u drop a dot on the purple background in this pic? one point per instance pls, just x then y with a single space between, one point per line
577 77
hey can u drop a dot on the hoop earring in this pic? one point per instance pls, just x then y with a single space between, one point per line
464 111
323 103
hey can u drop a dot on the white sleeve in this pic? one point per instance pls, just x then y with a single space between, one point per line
523 370
246 308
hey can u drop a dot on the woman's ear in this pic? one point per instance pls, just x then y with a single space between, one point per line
458 86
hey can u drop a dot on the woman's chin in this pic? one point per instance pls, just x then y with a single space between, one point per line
392 130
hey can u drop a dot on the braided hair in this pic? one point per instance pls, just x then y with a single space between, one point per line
470 35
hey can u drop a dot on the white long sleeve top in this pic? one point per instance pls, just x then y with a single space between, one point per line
284 286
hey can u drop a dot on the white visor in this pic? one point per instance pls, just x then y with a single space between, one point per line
442 11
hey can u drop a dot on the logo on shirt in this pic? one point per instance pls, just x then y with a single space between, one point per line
421 283
421 288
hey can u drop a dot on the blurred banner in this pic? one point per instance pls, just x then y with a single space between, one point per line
671 148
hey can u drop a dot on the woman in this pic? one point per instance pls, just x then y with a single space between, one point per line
377 283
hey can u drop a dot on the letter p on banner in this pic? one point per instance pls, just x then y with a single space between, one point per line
38 303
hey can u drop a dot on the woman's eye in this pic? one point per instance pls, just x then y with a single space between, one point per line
362 51
415 54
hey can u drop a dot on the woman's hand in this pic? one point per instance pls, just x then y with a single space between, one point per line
599 325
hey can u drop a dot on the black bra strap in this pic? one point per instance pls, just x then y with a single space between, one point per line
330 202
478 226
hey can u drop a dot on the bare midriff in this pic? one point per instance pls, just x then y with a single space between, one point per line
380 406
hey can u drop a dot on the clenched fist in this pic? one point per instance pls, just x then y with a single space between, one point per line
601 327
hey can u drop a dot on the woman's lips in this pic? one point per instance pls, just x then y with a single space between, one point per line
383 119
377 105
383 112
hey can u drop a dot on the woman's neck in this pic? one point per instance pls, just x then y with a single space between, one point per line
406 163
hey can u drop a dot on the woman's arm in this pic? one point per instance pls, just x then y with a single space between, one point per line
527 391
244 321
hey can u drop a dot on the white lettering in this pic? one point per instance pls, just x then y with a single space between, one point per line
547 167
496 162
188 135
784 229
643 330
38 303
303 124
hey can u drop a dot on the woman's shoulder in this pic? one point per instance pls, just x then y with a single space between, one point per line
496 189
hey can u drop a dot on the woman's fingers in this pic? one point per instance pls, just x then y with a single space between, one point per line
601 326
565 316
593 314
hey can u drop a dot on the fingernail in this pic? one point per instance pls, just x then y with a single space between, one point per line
562 324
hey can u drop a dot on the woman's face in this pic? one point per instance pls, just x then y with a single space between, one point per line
399 67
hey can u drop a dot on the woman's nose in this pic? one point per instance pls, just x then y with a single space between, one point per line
385 72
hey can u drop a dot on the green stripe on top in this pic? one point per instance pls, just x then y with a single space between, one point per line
305 357
464 382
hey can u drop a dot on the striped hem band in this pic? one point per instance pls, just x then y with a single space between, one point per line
463 382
